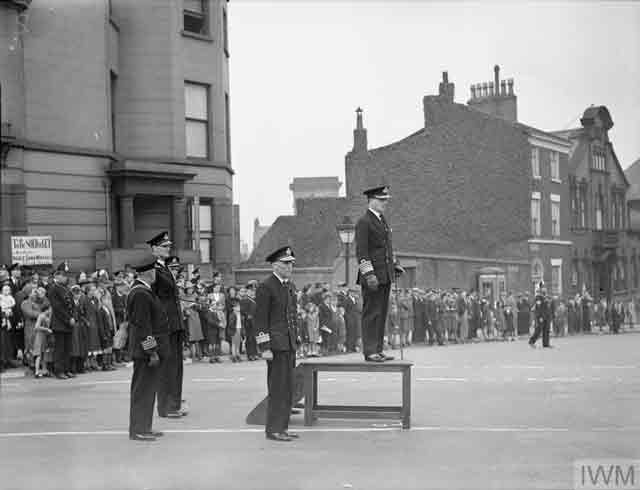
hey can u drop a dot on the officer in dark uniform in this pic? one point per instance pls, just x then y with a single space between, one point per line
276 315
62 321
377 270
171 371
148 340
542 314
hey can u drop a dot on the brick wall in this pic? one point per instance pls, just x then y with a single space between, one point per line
459 186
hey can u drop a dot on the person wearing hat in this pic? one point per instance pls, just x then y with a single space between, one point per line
62 321
276 316
165 287
148 340
542 314
377 268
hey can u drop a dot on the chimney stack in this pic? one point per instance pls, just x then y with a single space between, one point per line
446 89
495 97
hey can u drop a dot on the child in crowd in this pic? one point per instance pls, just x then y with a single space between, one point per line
234 331
194 326
42 331
106 326
313 330
212 321
92 321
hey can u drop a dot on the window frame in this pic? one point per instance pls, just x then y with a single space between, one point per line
537 229
554 166
535 162
555 205
206 122
203 16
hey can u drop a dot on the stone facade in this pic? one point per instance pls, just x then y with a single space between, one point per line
96 155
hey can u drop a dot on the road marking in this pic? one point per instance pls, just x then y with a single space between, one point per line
443 379
519 366
615 367
377 428
216 380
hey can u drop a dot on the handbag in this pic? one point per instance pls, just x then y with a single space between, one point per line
121 336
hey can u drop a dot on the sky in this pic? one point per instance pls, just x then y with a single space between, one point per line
299 69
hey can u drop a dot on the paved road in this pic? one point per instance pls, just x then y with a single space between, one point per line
492 415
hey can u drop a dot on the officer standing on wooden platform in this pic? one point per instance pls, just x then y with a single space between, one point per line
171 372
276 316
377 269
148 338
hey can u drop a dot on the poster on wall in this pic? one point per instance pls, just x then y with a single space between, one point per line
32 250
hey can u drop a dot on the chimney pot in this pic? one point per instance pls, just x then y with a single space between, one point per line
445 77
485 89
496 71
490 89
510 83
473 91
503 87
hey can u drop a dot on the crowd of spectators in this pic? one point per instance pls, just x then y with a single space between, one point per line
218 320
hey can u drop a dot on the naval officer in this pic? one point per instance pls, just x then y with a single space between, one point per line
377 268
148 337
276 315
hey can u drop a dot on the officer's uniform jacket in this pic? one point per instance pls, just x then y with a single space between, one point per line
147 318
542 309
166 290
62 308
276 313
374 249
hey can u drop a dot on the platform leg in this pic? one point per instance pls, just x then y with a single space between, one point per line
406 398
309 398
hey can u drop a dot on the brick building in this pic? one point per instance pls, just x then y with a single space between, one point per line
115 126
605 250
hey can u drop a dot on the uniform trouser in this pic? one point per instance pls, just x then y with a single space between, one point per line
171 373
375 305
280 383
144 384
250 343
542 327
62 352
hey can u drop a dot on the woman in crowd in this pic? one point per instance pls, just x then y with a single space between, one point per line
79 341
194 326
91 315
7 303
106 329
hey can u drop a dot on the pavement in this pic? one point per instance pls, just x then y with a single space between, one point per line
489 415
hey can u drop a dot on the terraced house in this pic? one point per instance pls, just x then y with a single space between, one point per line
115 126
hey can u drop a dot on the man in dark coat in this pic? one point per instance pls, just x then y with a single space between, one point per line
171 371
348 302
377 268
148 340
276 315
542 314
248 312
62 321
420 331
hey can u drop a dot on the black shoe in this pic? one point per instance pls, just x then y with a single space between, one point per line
385 357
278 436
374 358
70 375
154 433
62 376
295 411
291 435
142 437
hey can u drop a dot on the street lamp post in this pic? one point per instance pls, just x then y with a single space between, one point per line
346 232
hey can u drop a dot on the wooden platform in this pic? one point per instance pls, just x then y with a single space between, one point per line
313 410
